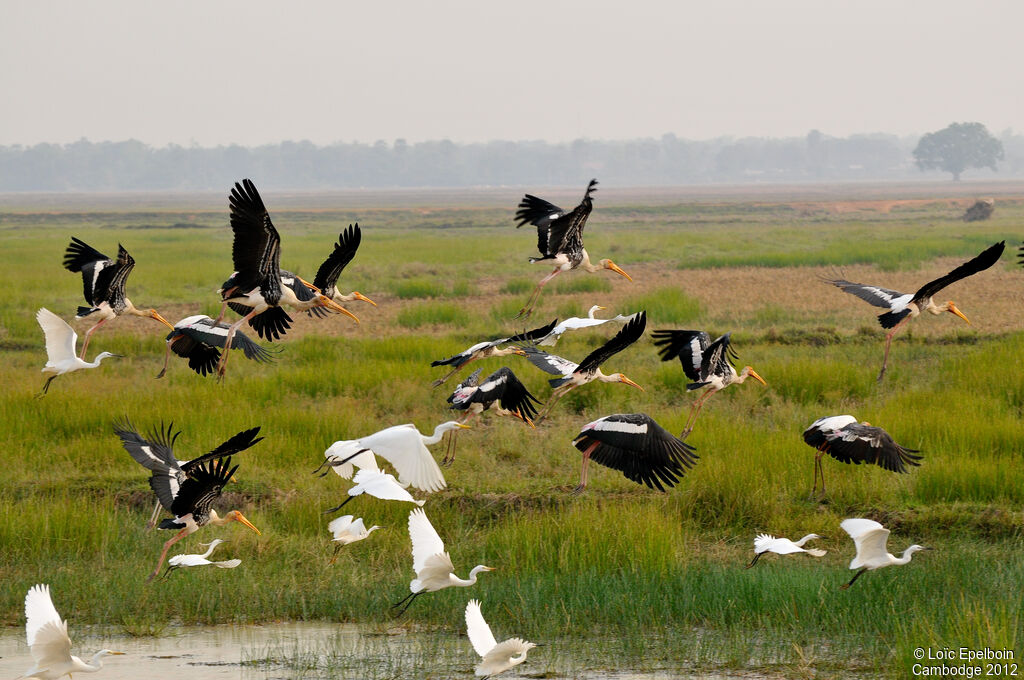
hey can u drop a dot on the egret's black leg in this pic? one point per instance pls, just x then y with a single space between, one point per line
757 556
855 577
335 509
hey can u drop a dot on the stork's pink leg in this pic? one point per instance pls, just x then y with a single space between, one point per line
695 412
167 360
535 295
583 472
167 546
555 396
222 366
888 343
818 471
88 334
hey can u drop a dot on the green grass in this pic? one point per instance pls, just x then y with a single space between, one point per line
652 580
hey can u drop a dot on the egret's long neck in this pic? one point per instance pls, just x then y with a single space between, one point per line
466 582
209 550
98 360
94 664
907 554
436 437
803 540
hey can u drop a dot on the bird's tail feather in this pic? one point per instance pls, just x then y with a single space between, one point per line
85 311
695 386
814 552
890 319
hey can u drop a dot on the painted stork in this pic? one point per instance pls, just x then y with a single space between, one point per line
49 642
155 452
104 281
704 362
326 279
905 306
632 443
256 254
494 658
191 502
489 348
197 338
346 531
783 546
60 348
431 562
560 239
185 561
501 387
870 537
588 370
577 323
848 441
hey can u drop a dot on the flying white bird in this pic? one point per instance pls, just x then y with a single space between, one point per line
783 546
178 561
60 347
496 658
576 323
431 562
905 306
49 641
346 531
870 538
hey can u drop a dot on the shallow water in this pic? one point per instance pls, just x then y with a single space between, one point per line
316 650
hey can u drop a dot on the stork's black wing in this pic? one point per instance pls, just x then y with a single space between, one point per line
503 386
202 358
156 453
109 283
716 358
857 443
81 257
565 234
983 261
639 448
256 251
534 335
687 346
344 250
270 325
541 214
470 381
1020 256
874 295
204 332
627 335
202 488
239 442
549 363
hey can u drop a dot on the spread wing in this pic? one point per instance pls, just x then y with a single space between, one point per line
534 335
687 346
626 336
203 486
716 358
480 635
81 257
60 336
47 633
155 452
504 387
344 250
857 443
236 444
981 262
256 250
549 363
425 541
875 295
539 213
110 281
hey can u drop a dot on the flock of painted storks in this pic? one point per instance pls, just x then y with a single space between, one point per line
632 443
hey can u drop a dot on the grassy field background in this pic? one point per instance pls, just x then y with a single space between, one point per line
657 577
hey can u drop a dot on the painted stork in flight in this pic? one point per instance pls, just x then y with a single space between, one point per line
104 281
905 306
431 562
326 279
848 441
256 282
870 538
636 446
588 370
704 362
560 239
197 338
155 452
489 348
765 543
60 348
577 323
502 388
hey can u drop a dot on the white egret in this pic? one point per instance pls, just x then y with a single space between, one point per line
378 484
61 339
431 562
49 641
576 323
783 546
870 538
496 658
179 561
347 530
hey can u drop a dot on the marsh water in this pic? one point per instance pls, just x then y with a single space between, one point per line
314 650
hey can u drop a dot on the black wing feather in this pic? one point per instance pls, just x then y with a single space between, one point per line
203 486
857 443
656 459
679 344
344 250
981 262
716 358
535 334
110 282
156 453
627 335
256 250
236 444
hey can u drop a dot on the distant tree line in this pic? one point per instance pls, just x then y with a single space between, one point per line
668 160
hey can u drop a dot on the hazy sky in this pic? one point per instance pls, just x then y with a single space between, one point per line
212 72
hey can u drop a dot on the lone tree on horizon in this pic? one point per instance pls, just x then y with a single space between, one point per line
958 147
